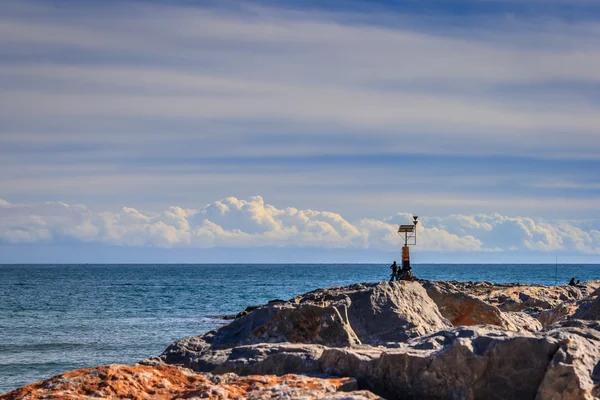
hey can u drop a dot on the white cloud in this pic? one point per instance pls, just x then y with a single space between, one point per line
523 233
233 222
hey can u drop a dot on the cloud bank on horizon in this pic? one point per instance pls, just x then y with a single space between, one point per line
482 111
238 223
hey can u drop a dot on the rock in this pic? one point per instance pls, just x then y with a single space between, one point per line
277 358
336 317
518 297
519 320
393 312
463 363
246 311
558 313
464 309
588 308
501 356
169 382
574 371
392 338
356 395
511 306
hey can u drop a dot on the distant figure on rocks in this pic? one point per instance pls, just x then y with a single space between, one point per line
572 282
578 281
394 268
406 275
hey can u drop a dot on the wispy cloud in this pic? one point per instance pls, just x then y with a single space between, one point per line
306 67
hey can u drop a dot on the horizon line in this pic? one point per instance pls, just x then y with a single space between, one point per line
292 263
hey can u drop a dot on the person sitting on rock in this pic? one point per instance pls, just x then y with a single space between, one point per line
394 268
572 282
406 275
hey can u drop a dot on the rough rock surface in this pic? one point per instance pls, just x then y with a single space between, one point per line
504 354
468 303
522 297
277 358
587 308
463 308
574 371
463 363
353 315
557 314
382 312
169 382
403 340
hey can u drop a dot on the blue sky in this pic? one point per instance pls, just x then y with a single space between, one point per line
480 116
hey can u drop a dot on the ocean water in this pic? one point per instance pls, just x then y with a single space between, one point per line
55 318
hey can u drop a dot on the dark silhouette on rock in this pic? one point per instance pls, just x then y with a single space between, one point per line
394 268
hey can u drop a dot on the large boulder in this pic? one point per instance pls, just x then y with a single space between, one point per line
559 313
574 371
474 363
460 363
458 303
588 308
390 312
465 363
522 297
336 317
517 296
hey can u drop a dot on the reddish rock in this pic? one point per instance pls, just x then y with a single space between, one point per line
463 308
162 382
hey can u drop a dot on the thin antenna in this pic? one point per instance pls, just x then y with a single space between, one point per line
556 273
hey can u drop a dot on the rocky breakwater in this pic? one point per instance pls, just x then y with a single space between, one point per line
412 340
397 340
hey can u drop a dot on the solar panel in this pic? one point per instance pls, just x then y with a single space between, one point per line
406 228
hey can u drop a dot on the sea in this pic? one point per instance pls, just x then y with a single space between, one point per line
55 318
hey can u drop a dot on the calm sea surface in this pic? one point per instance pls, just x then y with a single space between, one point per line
54 318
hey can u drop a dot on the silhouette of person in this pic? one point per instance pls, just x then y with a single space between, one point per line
394 268
572 282
578 281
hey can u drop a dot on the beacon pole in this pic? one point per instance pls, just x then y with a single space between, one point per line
410 238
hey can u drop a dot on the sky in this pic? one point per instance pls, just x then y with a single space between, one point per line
304 131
